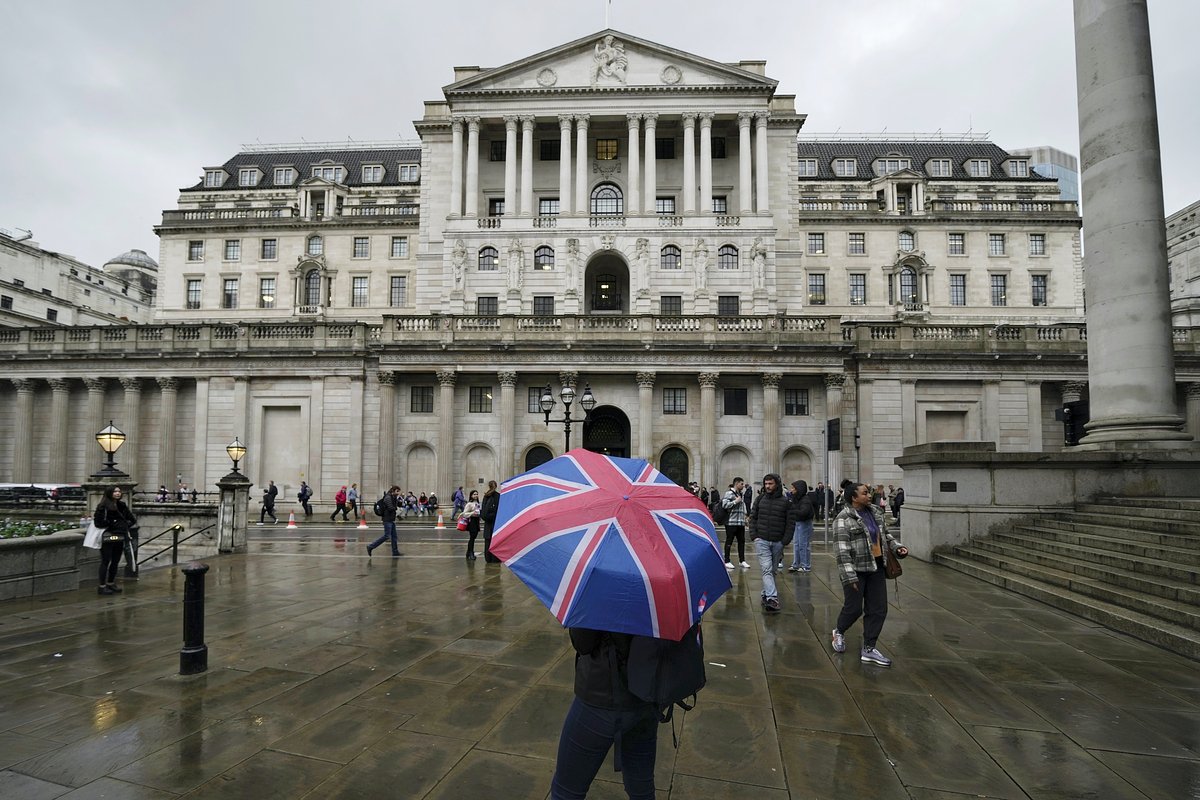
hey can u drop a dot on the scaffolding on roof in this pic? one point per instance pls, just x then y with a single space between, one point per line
884 136
396 144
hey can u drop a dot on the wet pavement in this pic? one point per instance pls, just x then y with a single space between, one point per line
336 676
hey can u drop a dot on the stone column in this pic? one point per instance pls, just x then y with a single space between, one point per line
1033 406
60 393
760 161
770 382
526 166
1072 391
200 439
387 429
472 199
634 188
22 471
834 381
1131 368
510 164
168 395
456 167
651 167
708 427
1193 409
564 163
581 164
645 382
745 183
706 163
989 410
445 455
689 163
131 425
508 422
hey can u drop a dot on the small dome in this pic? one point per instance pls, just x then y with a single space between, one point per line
134 258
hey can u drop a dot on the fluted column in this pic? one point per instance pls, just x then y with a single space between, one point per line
770 382
387 429
508 422
564 163
581 164
23 432
456 168
645 382
445 455
168 389
706 189
745 187
510 164
651 168
760 160
833 410
131 425
708 427
689 163
527 166
95 420
472 199
634 189
1072 391
60 393
1193 410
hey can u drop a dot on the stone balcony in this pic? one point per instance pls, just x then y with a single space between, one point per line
390 215
630 223
1054 210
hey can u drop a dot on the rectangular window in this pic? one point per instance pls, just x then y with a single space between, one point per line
795 402
548 207
979 168
906 241
195 251
284 176
718 147
335 174
670 305
1037 244
479 399
229 297
550 150
728 305
958 290
534 400
999 290
6 302
372 173
957 244
193 294
664 148
674 401
496 150
51 315
845 167
358 291
409 173
496 207
269 249
858 288
543 305
247 177
995 244
1037 289
214 178
735 402
808 168
421 400
399 247
816 289
886 166
266 292
857 245
487 306
1019 168
398 291
233 249
664 205
362 247
939 168
720 205
816 244
606 149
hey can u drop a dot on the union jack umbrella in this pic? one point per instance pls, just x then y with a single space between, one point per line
611 544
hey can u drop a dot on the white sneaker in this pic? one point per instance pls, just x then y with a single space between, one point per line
839 642
728 565
258 523
745 565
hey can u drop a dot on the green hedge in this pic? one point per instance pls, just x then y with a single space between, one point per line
20 528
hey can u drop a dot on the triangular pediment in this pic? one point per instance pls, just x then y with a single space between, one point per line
610 60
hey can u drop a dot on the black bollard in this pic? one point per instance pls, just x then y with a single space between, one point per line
193 658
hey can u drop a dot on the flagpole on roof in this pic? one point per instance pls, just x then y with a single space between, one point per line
607 8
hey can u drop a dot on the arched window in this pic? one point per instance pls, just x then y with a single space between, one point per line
907 241
487 259
543 258
908 286
536 457
674 464
671 257
312 286
316 245
727 257
607 200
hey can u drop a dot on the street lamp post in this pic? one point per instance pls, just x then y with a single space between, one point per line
567 395
234 498
110 440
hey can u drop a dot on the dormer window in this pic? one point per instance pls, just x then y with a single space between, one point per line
808 168
409 173
886 166
372 173
845 167
284 176
248 177
1018 168
939 168
979 168
214 178
335 174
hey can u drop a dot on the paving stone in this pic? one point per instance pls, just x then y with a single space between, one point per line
1049 764
267 775
417 762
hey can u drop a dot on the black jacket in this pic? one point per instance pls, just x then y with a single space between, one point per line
600 669
489 507
388 504
772 518
802 507
120 521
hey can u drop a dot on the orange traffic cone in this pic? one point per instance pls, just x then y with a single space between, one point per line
291 521
362 522
441 522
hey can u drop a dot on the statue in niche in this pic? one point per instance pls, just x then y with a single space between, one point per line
516 262
572 265
700 254
459 262
610 59
758 258
641 258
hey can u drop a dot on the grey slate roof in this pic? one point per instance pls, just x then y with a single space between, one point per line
304 160
920 153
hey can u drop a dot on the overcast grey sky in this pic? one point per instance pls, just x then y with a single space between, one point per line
110 107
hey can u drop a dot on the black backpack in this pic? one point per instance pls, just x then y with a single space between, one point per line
720 513
378 508
667 673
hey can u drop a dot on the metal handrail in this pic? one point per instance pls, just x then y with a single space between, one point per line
174 530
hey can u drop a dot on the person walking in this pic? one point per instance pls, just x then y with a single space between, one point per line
804 513
352 500
340 500
114 516
736 501
471 512
303 496
388 504
268 504
772 525
860 535
487 513
460 501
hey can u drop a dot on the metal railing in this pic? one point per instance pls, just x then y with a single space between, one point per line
174 530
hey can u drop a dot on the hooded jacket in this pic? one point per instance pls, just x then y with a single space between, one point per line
772 518
802 505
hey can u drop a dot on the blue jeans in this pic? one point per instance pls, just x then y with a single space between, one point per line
769 554
389 532
588 734
803 545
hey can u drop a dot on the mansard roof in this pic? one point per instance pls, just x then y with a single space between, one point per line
920 153
302 161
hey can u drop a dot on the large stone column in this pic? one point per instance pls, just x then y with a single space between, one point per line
708 427
526 167
472 199
651 166
508 422
760 161
745 181
770 428
387 429
168 389
564 163
510 164
23 432
581 164
1131 368
1193 409
645 382
689 163
834 382
445 454
200 438
456 167
131 425
706 163
634 189
60 393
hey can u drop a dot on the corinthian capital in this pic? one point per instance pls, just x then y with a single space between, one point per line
709 379
771 380
168 384
507 378
447 377
386 378
835 380
646 380
744 118
132 384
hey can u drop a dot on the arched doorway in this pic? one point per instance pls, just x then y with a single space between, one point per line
480 464
606 284
798 465
735 463
421 465
674 464
536 456
607 431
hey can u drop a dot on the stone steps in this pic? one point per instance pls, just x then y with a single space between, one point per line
1103 544
1128 533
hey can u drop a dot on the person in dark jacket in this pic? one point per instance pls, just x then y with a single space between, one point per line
117 521
268 504
604 715
487 515
804 512
388 504
772 524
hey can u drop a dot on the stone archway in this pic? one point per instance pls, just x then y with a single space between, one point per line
735 463
479 468
675 464
606 284
421 465
536 456
798 465
607 431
